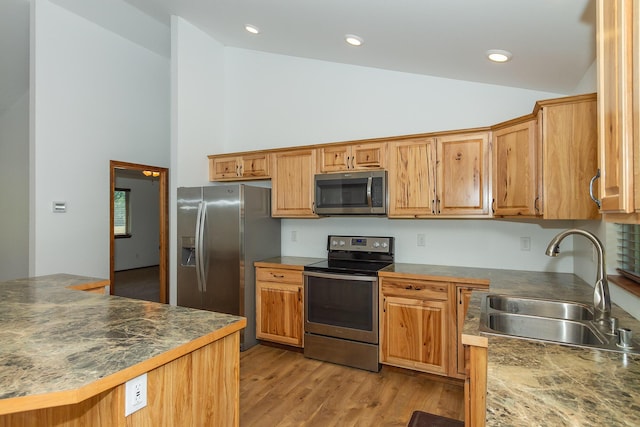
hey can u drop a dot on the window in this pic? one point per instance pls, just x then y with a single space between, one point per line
629 250
121 213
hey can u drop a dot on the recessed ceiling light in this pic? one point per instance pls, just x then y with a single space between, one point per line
353 40
498 55
252 29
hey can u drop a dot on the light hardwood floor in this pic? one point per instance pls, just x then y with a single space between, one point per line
279 387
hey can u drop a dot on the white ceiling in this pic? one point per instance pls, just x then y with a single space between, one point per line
552 41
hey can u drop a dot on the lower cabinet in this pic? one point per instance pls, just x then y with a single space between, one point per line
414 319
475 386
279 306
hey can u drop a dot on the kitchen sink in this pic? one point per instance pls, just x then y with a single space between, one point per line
555 321
540 307
545 329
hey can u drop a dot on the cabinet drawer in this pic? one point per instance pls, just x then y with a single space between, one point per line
279 275
415 288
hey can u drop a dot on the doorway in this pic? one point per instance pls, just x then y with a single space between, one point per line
126 227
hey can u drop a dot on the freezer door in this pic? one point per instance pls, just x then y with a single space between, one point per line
222 231
189 203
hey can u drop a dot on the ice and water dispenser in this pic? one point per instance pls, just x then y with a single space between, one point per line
188 251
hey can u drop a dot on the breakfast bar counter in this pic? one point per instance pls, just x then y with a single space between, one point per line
67 354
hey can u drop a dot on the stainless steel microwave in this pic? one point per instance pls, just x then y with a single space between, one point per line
351 193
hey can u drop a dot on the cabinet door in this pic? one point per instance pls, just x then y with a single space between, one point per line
368 156
279 313
515 171
412 178
224 168
463 295
414 334
569 159
615 64
292 183
463 175
254 166
334 158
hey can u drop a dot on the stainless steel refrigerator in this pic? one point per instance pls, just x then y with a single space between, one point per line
222 230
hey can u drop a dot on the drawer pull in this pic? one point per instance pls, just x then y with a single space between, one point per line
278 276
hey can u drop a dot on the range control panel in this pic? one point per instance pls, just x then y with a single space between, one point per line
360 244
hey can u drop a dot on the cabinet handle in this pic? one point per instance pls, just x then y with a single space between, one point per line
299 295
384 305
313 207
438 205
536 205
353 166
597 201
433 206
278 276
493 205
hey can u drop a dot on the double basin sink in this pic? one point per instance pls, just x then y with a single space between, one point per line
547 320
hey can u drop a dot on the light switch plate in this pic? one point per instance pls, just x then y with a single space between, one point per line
135 395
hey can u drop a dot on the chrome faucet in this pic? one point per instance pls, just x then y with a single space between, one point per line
601 296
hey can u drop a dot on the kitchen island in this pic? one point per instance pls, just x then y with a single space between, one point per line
67 354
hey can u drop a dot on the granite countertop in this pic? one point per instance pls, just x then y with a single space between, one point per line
290 261
56 339
542 384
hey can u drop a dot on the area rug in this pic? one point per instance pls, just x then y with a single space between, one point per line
423 419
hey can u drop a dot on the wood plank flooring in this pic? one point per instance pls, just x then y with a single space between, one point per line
139 283
280 387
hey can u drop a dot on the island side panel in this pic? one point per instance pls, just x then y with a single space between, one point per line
201 388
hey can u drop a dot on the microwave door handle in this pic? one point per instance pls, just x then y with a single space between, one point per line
369 182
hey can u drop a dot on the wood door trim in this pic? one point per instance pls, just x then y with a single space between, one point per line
163 180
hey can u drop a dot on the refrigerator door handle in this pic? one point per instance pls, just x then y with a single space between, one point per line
203 255
199 239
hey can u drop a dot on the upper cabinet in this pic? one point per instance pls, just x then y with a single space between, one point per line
515 175
292 183
543 164
234 167
447 175
347 157
618 53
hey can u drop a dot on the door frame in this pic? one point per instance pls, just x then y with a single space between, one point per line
163 180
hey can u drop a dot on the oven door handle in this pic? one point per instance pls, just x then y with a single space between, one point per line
340 276
369 183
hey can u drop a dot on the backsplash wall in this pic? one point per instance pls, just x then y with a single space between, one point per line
470 243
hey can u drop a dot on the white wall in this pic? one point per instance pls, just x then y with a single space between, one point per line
142 248
14 190
95 97
197 115
278 101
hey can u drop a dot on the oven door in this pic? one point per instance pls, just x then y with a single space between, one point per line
341 306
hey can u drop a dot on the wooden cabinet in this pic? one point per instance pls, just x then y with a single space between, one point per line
239 167
346 157
280 305
292 193
618 54
475 386
447 176
414 324
515 174
461 302
543 163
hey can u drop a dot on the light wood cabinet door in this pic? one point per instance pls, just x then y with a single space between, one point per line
569 157
414 334
463 175
292 183
338 158
463 296
412 178
615 103
515 176
279 306
236 168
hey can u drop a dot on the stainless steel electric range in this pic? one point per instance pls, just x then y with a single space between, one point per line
341 301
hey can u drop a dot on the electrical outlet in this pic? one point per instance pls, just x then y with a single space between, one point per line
421 239
525 244
294 236
135 394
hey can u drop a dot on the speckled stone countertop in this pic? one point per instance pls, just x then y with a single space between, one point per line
290 261
532 383
56 339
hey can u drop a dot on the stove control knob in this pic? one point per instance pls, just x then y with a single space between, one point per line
384 244
342 243
334 243
376 244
